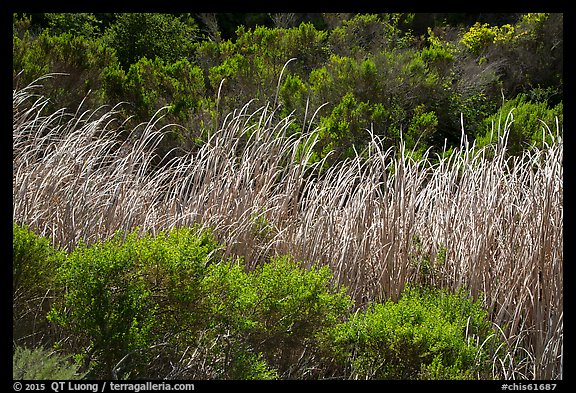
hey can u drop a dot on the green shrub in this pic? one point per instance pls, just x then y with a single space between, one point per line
364 34
439 55
275 46
531 120
177 264
84 60
151 35
136 304
152 84
294 95
34 261
481 35
124 294
268 323
427 334
140 306
307 44
294 309
39 364
345 129
34 264
422 125
107 305
261 324
252 64
77 24
244 78
523 56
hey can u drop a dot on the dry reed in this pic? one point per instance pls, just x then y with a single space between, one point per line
380 220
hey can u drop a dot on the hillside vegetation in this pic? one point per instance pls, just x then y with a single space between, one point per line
414 77
350 197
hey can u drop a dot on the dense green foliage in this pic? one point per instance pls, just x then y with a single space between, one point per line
131 294
34 264
39 363
427 334
408 76
533 119
170 306
138 35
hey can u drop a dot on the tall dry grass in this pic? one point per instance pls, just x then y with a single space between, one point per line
380 220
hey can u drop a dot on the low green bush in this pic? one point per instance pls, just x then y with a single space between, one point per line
34 263
83 60
427 334
40 363
124 293
294 308
137 35
529 124
152 84
169 305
